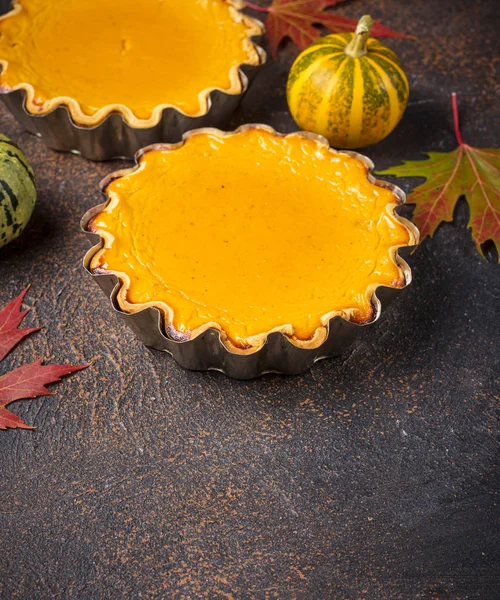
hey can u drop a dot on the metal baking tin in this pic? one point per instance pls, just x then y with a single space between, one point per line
278 354
114 137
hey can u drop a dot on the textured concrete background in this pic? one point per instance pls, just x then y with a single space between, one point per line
373 476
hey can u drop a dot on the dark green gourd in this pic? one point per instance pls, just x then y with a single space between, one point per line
17 191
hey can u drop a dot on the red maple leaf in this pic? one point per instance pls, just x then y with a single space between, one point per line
296 19
10 318
28 381
465 171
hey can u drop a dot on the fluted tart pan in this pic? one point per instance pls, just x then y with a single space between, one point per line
286 347
115 130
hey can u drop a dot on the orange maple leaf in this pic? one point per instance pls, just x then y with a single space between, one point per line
296 19
466 171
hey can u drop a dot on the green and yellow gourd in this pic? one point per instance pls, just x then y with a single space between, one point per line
348 87
17 191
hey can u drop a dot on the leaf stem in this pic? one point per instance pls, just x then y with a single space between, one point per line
455 119
256 7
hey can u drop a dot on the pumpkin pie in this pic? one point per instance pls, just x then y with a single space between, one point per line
249 233
128 56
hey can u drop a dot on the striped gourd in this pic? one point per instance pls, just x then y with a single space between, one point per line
349 88
17 191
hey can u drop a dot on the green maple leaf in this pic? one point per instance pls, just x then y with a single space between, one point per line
466 171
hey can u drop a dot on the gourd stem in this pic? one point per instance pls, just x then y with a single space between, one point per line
357 46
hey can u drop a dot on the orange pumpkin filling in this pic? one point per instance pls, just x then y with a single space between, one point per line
249 232
97 55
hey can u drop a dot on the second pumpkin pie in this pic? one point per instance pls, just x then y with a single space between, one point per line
128 56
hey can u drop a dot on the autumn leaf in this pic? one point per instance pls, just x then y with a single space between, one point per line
27 381
10 318
466 171
296 19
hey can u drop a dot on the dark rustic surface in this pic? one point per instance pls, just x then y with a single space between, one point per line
373 476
